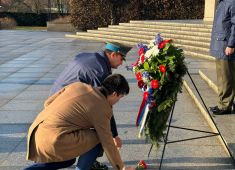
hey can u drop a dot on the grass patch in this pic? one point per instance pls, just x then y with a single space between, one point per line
30 28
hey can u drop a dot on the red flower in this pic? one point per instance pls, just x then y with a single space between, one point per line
154 84
142 165
140 83
162 68
141 51
138 76
146 94
163 43
142 58
133 64
137 61
152 105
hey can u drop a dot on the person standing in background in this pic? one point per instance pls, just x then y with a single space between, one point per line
222 48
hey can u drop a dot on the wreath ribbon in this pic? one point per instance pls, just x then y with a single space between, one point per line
141 111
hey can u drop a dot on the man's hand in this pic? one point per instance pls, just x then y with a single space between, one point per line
229 51
117 142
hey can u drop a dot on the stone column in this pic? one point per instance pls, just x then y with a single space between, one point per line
210 6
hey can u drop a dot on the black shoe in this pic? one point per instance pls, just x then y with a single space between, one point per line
212 109
99 166
217 111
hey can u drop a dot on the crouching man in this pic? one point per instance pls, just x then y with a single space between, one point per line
76 122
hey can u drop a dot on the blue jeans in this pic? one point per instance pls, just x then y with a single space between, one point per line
85 161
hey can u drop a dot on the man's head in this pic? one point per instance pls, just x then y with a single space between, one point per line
116 53
114 87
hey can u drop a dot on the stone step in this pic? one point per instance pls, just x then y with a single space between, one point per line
148 35
154 31
182 45
133 27
209 77
199 55
131 42
136 26
192 36
133 39
85 37
181 23
144 39
206 76
210 98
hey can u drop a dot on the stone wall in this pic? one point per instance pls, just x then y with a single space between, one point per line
60 27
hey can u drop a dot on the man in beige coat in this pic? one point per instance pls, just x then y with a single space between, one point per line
79 125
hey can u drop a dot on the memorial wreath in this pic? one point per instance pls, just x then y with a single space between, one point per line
159 70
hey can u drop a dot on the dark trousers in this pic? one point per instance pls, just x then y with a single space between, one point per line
51 166
85 161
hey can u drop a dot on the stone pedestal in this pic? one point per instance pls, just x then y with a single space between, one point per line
210 6
60 27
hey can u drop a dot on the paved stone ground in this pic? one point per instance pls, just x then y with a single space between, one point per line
29 64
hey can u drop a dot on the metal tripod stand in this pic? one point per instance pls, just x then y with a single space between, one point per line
209 134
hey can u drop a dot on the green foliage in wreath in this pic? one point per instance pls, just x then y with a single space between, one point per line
159 70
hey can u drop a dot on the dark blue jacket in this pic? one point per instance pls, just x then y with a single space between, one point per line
89 68
223 31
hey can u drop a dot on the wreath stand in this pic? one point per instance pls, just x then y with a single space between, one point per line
209 134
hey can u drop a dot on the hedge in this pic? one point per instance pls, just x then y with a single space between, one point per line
98 13
172 10
29 19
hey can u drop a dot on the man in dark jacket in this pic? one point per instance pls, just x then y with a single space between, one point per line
222 48
92 69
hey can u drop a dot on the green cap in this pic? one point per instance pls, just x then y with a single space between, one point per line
118 48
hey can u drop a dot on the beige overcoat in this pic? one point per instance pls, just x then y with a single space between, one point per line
62 131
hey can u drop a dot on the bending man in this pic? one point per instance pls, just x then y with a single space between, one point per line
76 122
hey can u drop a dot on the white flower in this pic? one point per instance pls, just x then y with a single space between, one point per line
145 79
151 43
155 51
134 69
152 52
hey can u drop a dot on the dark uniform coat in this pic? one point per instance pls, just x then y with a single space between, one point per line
89 68
223 31
62 131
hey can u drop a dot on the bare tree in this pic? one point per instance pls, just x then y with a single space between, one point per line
116 7
58 6
36 6
17 6
62 6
